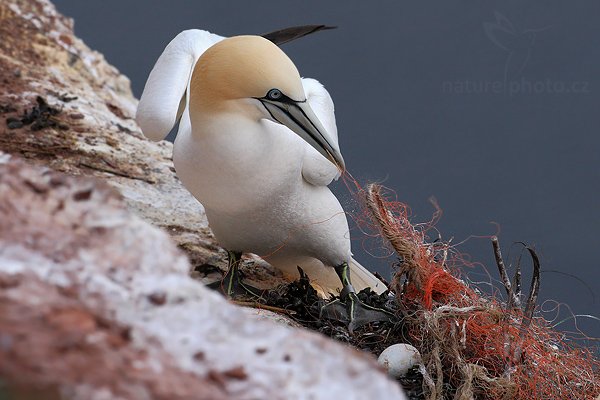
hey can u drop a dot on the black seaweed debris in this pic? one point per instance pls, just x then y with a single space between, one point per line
41 116
304 305
302 302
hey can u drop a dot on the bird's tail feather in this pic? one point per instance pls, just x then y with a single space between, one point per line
362 278
326 281
324 278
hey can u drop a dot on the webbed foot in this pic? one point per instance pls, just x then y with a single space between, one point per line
349 309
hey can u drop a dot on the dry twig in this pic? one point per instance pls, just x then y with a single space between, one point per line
513 298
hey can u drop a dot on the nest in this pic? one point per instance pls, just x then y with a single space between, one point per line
473 345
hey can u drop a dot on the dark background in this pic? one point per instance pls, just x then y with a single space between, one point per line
492 107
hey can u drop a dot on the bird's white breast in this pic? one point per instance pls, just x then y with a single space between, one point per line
235 165
248 177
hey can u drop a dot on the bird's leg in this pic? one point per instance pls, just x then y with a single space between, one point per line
349 308
231 281
231 285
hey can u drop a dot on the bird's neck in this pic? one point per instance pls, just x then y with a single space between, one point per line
206 108
225 124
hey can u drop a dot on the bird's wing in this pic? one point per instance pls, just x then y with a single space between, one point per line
163 99
316 169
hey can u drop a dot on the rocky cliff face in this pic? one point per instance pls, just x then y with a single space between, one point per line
96 301
65 107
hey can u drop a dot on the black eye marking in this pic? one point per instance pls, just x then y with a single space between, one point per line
274 94
277 95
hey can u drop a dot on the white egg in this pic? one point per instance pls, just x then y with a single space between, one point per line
398 359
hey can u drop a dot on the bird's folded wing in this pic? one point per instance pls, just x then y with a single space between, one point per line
316 169
165 89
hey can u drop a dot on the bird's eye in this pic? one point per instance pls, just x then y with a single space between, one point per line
274 94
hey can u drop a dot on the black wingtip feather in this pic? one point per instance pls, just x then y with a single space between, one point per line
286 35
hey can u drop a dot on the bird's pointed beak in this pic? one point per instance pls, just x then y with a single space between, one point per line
301 119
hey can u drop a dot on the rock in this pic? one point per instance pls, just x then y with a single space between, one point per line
98 303
266 315
94 301
63 106
398 359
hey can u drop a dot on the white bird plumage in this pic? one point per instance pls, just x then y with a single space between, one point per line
263 187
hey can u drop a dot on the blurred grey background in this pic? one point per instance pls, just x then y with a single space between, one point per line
491 107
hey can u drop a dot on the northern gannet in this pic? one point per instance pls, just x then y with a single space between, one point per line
257 146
